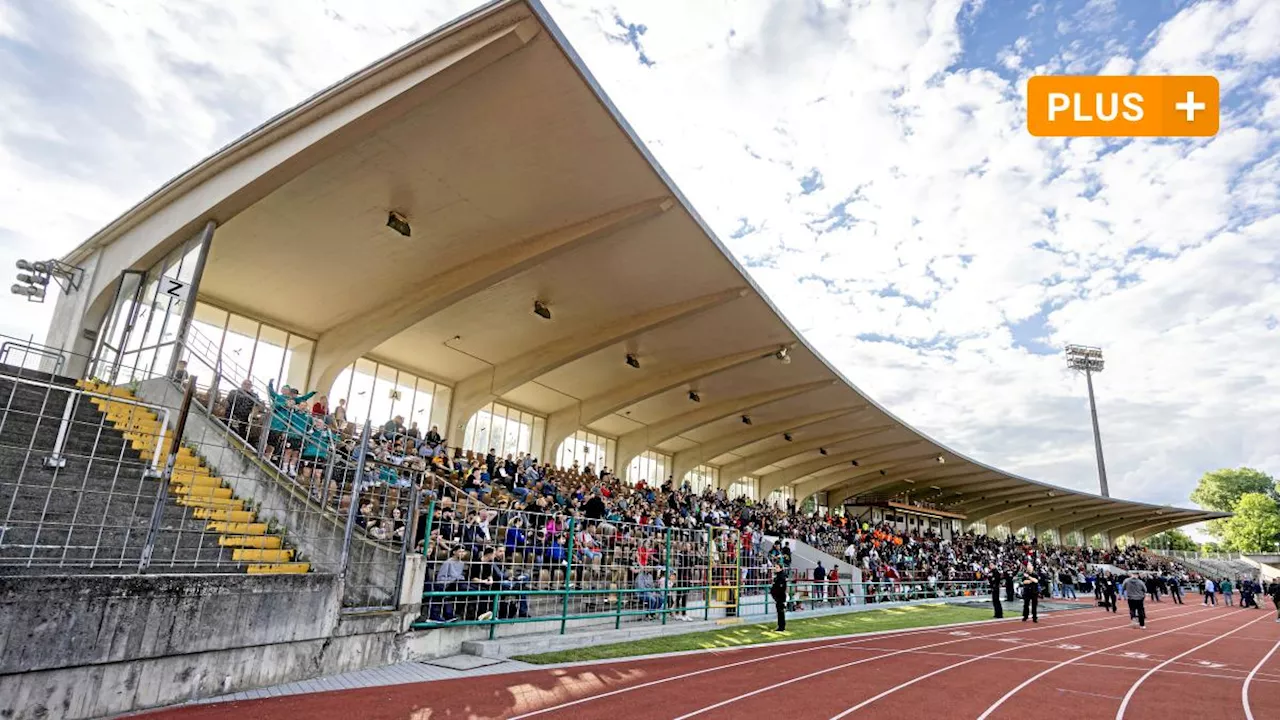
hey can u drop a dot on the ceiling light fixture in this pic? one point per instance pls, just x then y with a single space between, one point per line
883 472
746 419
941 459
822 451
633 361
786 436
541 310
398 222
854 463
783 355
694 396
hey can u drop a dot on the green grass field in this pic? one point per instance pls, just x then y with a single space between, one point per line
898 618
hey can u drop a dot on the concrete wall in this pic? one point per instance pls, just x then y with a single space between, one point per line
73 313
95 646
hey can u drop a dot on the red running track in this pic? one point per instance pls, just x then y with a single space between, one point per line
1191 661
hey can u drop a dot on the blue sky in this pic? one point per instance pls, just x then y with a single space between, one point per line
867 161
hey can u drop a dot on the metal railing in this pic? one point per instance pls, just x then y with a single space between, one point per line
510 566
74 492
91 479
29 348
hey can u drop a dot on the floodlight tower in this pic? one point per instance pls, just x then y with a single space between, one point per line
1089 361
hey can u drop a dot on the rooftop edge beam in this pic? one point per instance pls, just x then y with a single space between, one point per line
344 343
474 392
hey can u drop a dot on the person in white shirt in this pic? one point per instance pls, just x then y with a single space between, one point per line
1210 592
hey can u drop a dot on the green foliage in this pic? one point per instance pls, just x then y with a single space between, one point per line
1211 547
1255 526
1221 489
1173 539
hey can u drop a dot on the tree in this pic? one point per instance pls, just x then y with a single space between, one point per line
1173 539
1255 527
1221 489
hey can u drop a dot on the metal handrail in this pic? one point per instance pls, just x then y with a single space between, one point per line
65 424
34 348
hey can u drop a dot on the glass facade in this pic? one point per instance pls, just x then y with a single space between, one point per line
702 477
781 496
242 348
378 393
747 486
585 447
650 467
505 430
140 333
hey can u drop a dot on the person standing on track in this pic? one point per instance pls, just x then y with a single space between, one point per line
996 581
1226 587
778 591
1135 591
1209 592
1273 590
1175 589
1030 595
1108 582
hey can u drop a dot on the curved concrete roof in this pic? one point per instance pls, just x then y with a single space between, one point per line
523 182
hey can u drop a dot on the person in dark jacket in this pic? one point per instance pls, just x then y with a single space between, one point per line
1008 587
1273 591
996 580
1108 583
778 591
1030 595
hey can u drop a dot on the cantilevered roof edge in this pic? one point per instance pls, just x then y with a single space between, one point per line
580 66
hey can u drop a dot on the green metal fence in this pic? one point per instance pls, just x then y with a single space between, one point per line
505 565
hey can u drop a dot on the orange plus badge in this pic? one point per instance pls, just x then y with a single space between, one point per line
1122 106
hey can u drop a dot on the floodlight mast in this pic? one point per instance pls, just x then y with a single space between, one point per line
1089 361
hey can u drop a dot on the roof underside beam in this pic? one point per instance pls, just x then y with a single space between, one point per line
343 343
921 475
475 392
851 475
1039 514
636 442
563 423
686 460
869 465
1040 506
751 463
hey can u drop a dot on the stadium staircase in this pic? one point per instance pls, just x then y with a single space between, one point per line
92 512
197 488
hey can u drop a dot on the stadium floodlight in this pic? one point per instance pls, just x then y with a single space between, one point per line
1086 359
33 280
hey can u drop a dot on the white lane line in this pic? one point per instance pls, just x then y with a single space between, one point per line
775 686
859 638
1124 704
1244 691
1077 658
953 666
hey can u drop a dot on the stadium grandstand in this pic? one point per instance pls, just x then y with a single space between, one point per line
519 387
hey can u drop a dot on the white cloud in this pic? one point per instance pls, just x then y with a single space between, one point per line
965 229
